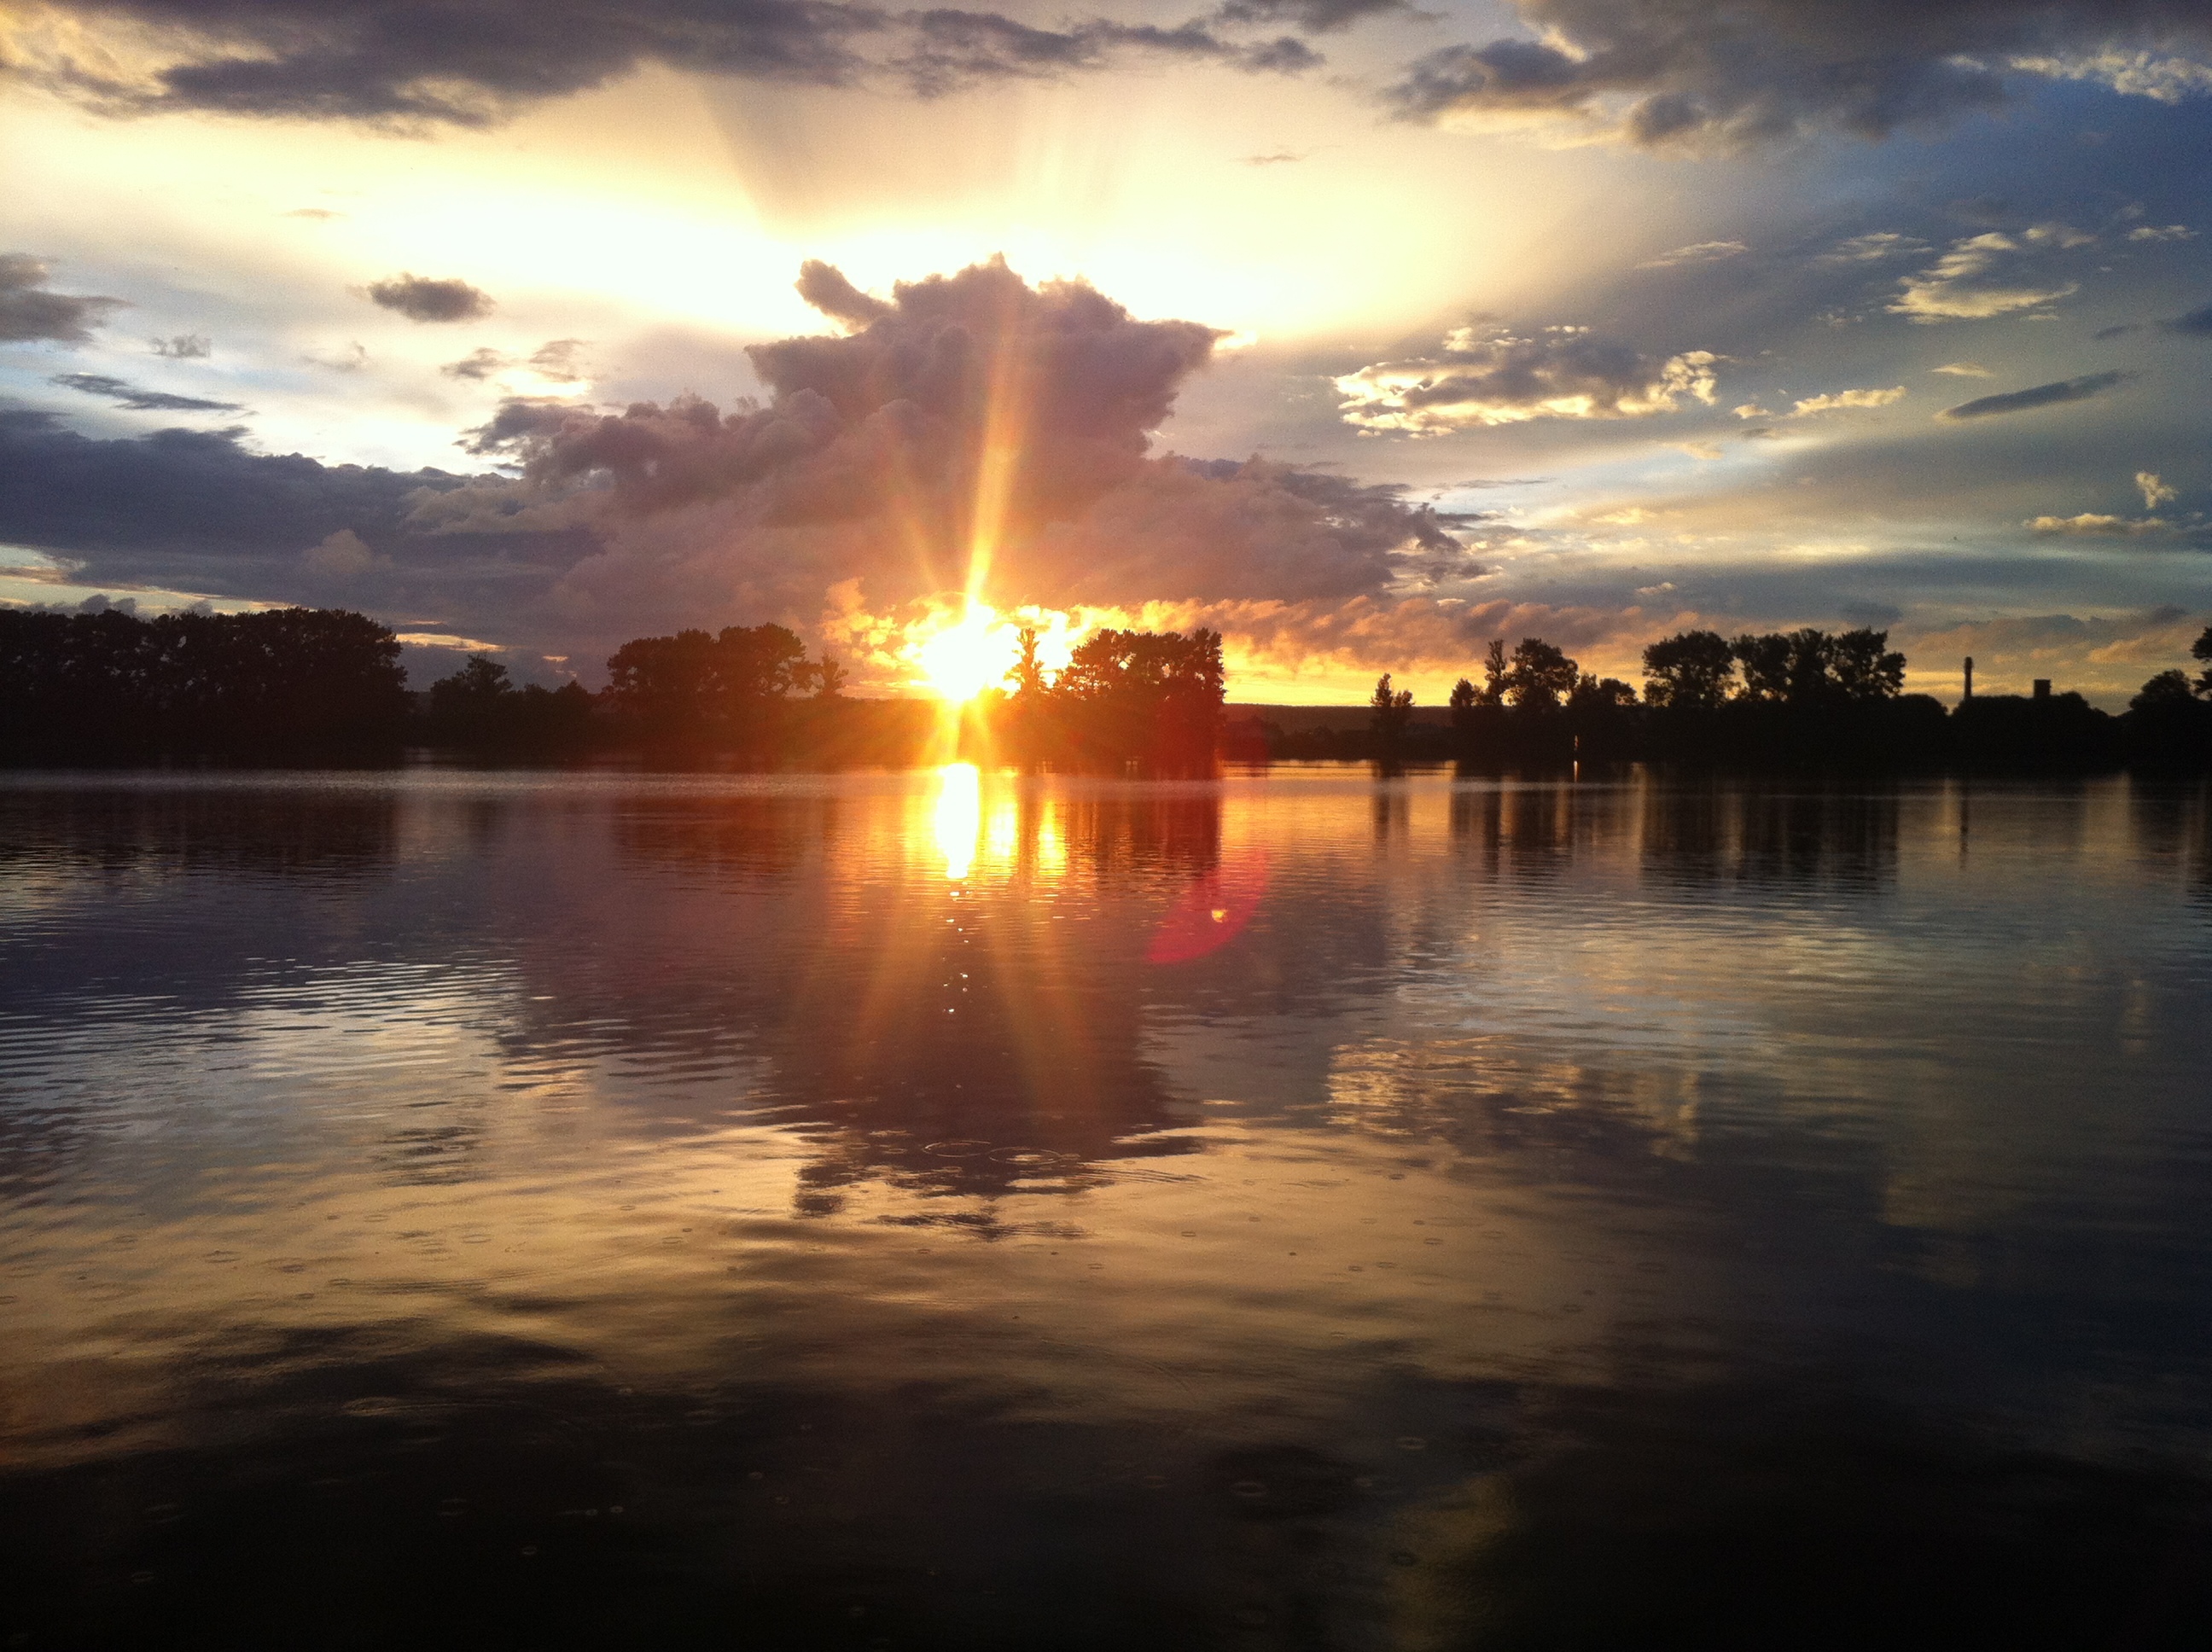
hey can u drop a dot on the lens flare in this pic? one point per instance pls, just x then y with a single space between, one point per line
972 654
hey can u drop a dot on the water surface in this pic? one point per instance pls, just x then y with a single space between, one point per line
1305 1211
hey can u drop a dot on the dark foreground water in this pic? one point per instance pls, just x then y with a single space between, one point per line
522 1211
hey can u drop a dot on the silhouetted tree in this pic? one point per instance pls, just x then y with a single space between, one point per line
2171 688
728 688
1601 693
1389 713
2201 651
1541 676
1690 670
1862 666
1496 673
829 677
77 687
1142 696
1464 697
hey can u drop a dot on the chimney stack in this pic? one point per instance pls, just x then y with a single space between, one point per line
1970 676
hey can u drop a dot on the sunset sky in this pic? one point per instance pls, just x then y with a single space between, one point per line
1359 331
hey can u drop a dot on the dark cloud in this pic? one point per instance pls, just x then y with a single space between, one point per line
124 393
2198 324
2122 330
1758 71
28 312
875 466
1490 378
1310 16
2051 395
422 298
418 61
185 347
195 510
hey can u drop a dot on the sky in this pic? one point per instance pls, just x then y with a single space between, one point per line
1360 331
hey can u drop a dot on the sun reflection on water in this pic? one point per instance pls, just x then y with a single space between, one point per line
959 817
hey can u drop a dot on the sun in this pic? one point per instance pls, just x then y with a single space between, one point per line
969 656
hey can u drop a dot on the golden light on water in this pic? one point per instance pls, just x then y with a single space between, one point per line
959 817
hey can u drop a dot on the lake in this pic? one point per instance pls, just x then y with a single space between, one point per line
954 1211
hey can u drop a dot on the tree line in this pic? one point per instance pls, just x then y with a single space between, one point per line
303 684
1773 699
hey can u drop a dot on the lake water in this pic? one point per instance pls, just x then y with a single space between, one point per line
948 1210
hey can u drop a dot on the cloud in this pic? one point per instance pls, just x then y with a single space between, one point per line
350 358
1279 158
1964 370
28 312
1989 275
2092 525
126 394
1562 372
2122 330
2198 324
557 360
2022 401
2135 74
341 557
189 510
881 455
478 364
421 298
2154 490
1841 399
1312 16
1759 72
1872 248
2163 233
185 347
1700 252
317 213
415 62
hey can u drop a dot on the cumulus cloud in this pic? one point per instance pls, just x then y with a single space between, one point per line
29 312
1561 372
1762 71
881 455
185 347
423 298
2093 524
340 557
1699 253
2051 395
1989 275
124 393
2162 232
416 62
2154 490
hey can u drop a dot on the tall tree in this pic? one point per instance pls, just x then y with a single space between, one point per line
1691 669
1541 676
